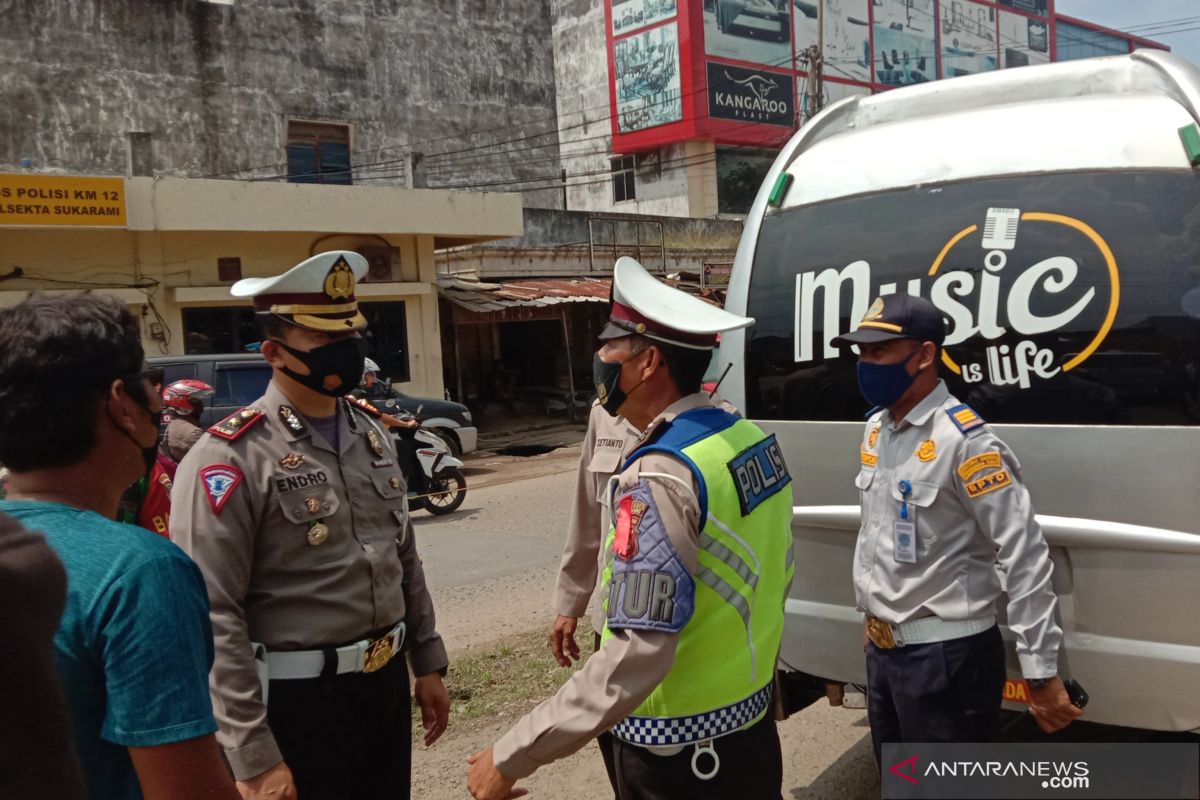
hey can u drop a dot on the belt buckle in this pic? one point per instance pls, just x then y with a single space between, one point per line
378 653
880 633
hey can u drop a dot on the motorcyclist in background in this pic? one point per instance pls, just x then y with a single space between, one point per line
183 403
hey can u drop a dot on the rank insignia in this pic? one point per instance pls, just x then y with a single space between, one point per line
927 451
236 424
219 481
289 418
312 505
291 461
375 442
629 517
964 418
873 437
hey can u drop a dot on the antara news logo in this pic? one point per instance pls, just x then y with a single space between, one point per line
1052 774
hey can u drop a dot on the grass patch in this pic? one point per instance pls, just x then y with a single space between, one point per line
505 680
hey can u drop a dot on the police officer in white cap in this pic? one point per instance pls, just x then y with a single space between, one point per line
698 563
294 508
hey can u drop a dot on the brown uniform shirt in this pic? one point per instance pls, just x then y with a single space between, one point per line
623 673
609 440
267 584
181 436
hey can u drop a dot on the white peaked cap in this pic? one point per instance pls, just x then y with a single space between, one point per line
317 293
645 306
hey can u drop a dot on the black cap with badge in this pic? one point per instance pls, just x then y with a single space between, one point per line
897 316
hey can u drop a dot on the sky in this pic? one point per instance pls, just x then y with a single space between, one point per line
1121 14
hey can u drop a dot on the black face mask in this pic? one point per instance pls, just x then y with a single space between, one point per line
149 454
607 377
342 359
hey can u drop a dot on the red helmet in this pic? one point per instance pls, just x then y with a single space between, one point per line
187 397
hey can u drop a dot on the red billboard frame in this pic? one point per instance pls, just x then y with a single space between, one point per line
696 121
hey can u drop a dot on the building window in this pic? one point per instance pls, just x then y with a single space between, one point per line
387 338
1075 42
622 178
218 330
318 153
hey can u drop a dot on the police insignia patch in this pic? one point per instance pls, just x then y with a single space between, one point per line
868 459
219 482
758 472
988 483
629 517
873 437
989 460
291 460
289 418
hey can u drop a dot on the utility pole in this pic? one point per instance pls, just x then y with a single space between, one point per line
814 63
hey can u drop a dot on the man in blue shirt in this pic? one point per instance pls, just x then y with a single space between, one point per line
78 418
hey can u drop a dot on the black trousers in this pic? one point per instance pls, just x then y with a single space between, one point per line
346 736
938 692
751 769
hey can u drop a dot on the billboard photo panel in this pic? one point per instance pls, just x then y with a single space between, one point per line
646 75
905 42
969 43
631 15
756 31
847 35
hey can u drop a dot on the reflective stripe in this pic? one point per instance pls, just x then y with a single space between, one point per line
650 731
740 604
726 592
745 545
729 559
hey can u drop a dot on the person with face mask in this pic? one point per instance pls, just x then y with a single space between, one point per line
294 508
698 561
134 646
942 506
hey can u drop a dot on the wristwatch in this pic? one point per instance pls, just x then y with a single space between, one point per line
1038 683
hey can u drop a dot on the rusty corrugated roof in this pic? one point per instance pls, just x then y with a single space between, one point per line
482 297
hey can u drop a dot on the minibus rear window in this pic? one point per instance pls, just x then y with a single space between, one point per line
1069 298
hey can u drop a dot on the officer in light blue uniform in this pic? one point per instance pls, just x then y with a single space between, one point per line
942 506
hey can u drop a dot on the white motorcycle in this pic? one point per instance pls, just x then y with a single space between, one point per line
439 485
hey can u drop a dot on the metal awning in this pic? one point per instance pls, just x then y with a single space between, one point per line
482 297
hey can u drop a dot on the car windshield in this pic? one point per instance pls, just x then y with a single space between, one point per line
1068 298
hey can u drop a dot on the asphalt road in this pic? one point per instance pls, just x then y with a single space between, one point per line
491 568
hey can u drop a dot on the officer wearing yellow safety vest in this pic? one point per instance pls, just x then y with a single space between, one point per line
698 563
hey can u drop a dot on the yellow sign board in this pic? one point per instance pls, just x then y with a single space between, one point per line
61 200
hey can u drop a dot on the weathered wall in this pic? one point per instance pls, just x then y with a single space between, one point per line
585 118
215 85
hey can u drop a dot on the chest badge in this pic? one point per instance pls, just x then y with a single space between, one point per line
394 483
927 451
290 419
318 534
291 461
375 442
312 505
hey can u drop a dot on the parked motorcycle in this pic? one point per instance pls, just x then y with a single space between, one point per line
434 476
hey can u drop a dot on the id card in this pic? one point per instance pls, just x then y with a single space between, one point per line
904 537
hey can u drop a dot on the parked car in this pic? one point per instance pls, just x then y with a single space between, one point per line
241 378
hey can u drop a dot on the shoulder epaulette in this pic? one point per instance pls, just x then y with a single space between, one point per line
364 406
236 423
964 418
